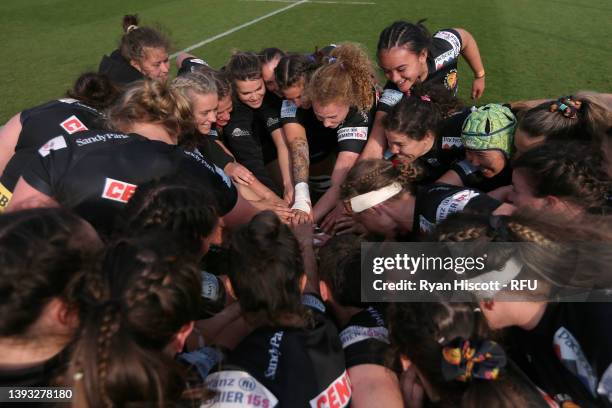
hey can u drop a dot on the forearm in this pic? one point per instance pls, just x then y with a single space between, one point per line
326 203
310 268
471 53
377 143
300 160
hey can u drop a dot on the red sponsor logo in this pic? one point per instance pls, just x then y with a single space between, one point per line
118 190
337 395
73 125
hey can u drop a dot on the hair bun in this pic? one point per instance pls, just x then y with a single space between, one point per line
130 22
265 229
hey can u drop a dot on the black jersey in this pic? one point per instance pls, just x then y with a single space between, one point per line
447 149
472 177
118 69
192 64
442 61
569 353
435 202
350 136
365 338
284 367
95 172
248 136
59 117
210 149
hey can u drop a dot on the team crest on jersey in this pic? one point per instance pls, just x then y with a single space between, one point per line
424 225
117 190
450 142
450 80
73 125
68 100
57 143
271 122
239 132
454 203
337 394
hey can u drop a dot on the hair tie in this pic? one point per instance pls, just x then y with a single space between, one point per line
425 98
131 28
567 106
464 359
331 60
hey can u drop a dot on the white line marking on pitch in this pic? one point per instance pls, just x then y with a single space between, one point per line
240 27
317 1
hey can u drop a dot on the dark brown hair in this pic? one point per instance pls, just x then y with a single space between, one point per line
95 90
373 174
571 171
414 37
43 253
293 69
135 39
265 269
423 111
243 66
148 290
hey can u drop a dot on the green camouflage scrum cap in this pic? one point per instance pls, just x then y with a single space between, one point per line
489 127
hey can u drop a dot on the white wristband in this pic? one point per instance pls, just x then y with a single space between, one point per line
302 198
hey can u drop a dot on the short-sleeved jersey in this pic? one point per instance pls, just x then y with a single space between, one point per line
118 69
442 61
210 149
447 149
568 354
59 117
365 338
350 136
95 173
191 64
248 136
434 203
284 367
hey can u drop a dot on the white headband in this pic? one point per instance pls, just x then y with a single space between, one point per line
510 270
368 200
131 28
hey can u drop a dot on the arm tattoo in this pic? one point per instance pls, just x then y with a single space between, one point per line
301 160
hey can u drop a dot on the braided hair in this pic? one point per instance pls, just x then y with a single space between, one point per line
571 171
136 38
147 291
414 37
370 175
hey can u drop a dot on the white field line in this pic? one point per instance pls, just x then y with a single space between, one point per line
240 27
318 1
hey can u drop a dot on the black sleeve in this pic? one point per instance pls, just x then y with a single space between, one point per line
288 113
390 97
469 175
446 46
353 134
368 351
271 116
239 138
213 152
212 178
47 167
483 203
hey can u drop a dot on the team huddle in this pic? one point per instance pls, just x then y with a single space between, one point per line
196 241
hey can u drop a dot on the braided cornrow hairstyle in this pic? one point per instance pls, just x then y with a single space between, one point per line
243 66
136 38
584 118
414 37
345 78
571 171
294 69
170 204
423 111
152 290
370 175
265 268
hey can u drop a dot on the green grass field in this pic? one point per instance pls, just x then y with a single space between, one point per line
530 48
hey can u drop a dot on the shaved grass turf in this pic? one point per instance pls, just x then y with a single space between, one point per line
531 49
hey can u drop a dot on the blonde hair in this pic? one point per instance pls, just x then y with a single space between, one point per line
152 102
346 77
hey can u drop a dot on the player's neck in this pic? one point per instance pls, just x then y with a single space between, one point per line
152 132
